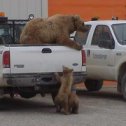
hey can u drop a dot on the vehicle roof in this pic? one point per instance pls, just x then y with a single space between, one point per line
110 22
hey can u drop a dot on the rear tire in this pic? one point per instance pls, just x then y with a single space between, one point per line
93 85
27 94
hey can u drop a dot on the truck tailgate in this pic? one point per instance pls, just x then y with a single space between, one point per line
41 59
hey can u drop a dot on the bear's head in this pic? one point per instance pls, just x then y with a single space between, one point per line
79 24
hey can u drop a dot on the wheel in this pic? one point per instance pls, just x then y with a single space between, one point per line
123 86
93 85
27 94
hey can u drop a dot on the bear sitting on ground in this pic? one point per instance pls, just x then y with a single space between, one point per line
66 80
55 30
65 99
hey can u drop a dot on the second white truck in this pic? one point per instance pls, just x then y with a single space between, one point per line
105 45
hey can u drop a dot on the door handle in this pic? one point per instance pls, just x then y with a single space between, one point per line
46 50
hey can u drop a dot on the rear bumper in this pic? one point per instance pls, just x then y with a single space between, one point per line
21 80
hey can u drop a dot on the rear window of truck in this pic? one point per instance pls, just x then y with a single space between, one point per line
81 37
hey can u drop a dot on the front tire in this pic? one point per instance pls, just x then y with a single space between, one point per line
93 85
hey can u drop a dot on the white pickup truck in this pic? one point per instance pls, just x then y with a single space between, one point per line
105 45
28 70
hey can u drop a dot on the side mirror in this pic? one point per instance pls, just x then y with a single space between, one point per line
108 44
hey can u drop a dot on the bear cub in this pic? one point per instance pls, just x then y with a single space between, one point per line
66 100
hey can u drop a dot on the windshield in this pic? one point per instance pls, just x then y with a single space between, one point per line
120 32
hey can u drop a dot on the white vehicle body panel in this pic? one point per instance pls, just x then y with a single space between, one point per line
30 59
104 63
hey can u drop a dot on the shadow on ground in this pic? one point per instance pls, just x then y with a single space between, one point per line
20 104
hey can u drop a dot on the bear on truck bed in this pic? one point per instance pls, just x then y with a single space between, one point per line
55 30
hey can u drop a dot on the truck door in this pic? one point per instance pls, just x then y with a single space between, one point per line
100 61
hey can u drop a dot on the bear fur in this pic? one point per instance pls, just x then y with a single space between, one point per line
55 30
73 103
65 99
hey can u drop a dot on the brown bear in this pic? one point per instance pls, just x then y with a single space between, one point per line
55 30
66 80
66 99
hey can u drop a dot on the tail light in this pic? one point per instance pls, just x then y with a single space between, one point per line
83 58
6 59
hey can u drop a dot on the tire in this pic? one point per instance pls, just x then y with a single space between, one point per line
27 94
93 85
123 86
